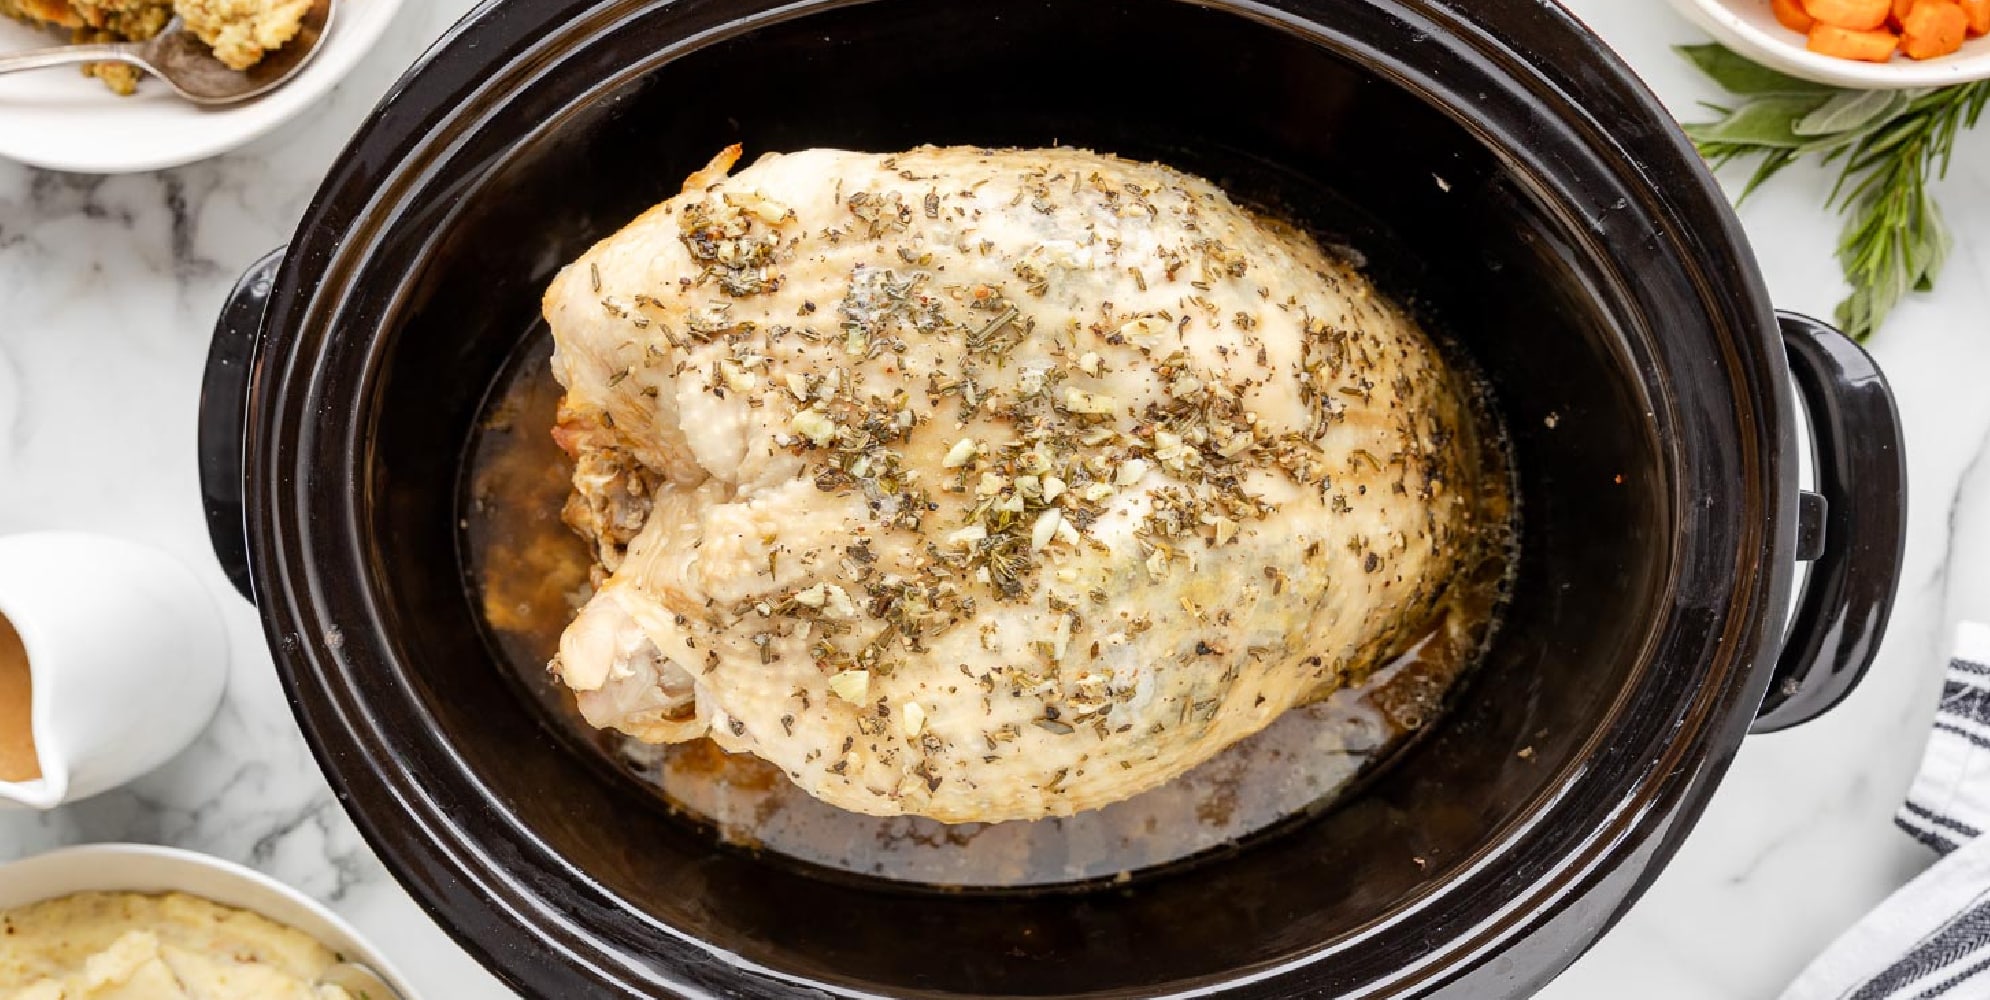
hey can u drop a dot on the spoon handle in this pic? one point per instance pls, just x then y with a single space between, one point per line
68 55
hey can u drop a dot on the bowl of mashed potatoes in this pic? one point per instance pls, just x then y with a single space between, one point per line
119 920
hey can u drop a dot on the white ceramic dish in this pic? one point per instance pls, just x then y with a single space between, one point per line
63 120
112 703
141 868
1750 28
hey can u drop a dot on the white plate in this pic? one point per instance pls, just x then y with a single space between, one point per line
1750 28
141 868
63 120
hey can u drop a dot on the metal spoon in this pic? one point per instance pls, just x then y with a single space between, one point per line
188 65
359 981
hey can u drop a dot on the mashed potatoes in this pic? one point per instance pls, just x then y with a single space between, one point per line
129 946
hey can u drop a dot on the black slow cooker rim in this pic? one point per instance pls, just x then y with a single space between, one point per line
295 545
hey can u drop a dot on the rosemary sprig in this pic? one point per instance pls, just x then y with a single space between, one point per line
1889 143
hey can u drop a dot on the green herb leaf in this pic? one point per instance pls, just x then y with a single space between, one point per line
1850 110
1768 122
1739 75
1888 146
1932 255
1771 165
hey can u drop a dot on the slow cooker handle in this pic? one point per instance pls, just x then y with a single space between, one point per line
1855 536
224 414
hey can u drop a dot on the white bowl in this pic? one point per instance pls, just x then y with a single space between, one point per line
142 868
1750 28
63 120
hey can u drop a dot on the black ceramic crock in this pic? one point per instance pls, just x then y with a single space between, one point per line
1503 172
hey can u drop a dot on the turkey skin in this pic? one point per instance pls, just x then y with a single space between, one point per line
991 485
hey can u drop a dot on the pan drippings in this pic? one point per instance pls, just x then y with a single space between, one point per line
530 574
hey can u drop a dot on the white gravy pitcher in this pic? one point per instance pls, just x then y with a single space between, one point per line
126 654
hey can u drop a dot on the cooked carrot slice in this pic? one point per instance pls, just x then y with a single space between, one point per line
1934 28
1867 46
1790 14
1856 15
1978 12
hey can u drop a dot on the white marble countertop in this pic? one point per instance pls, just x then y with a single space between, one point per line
108 289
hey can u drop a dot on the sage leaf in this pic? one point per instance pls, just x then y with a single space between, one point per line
1768 122
1852 110
1838 144
1739 75
1772 164
1931 250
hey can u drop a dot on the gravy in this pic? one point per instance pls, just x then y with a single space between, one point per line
18 761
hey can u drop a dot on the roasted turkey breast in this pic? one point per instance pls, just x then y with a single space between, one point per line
992 484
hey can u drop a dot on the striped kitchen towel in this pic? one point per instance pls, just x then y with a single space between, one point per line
1932 938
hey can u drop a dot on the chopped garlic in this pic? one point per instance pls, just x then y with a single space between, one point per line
1064 253
1080 401
1060 641
912 719
837 602
760 207
1032 379
739 379
1067 532
1131 471
1045 529
1226 529
813 597
1238 444
853 686
966 537
960 454
1053 488
1098 493
1145 328
814 425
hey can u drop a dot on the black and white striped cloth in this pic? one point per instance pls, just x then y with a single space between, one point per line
1932 938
